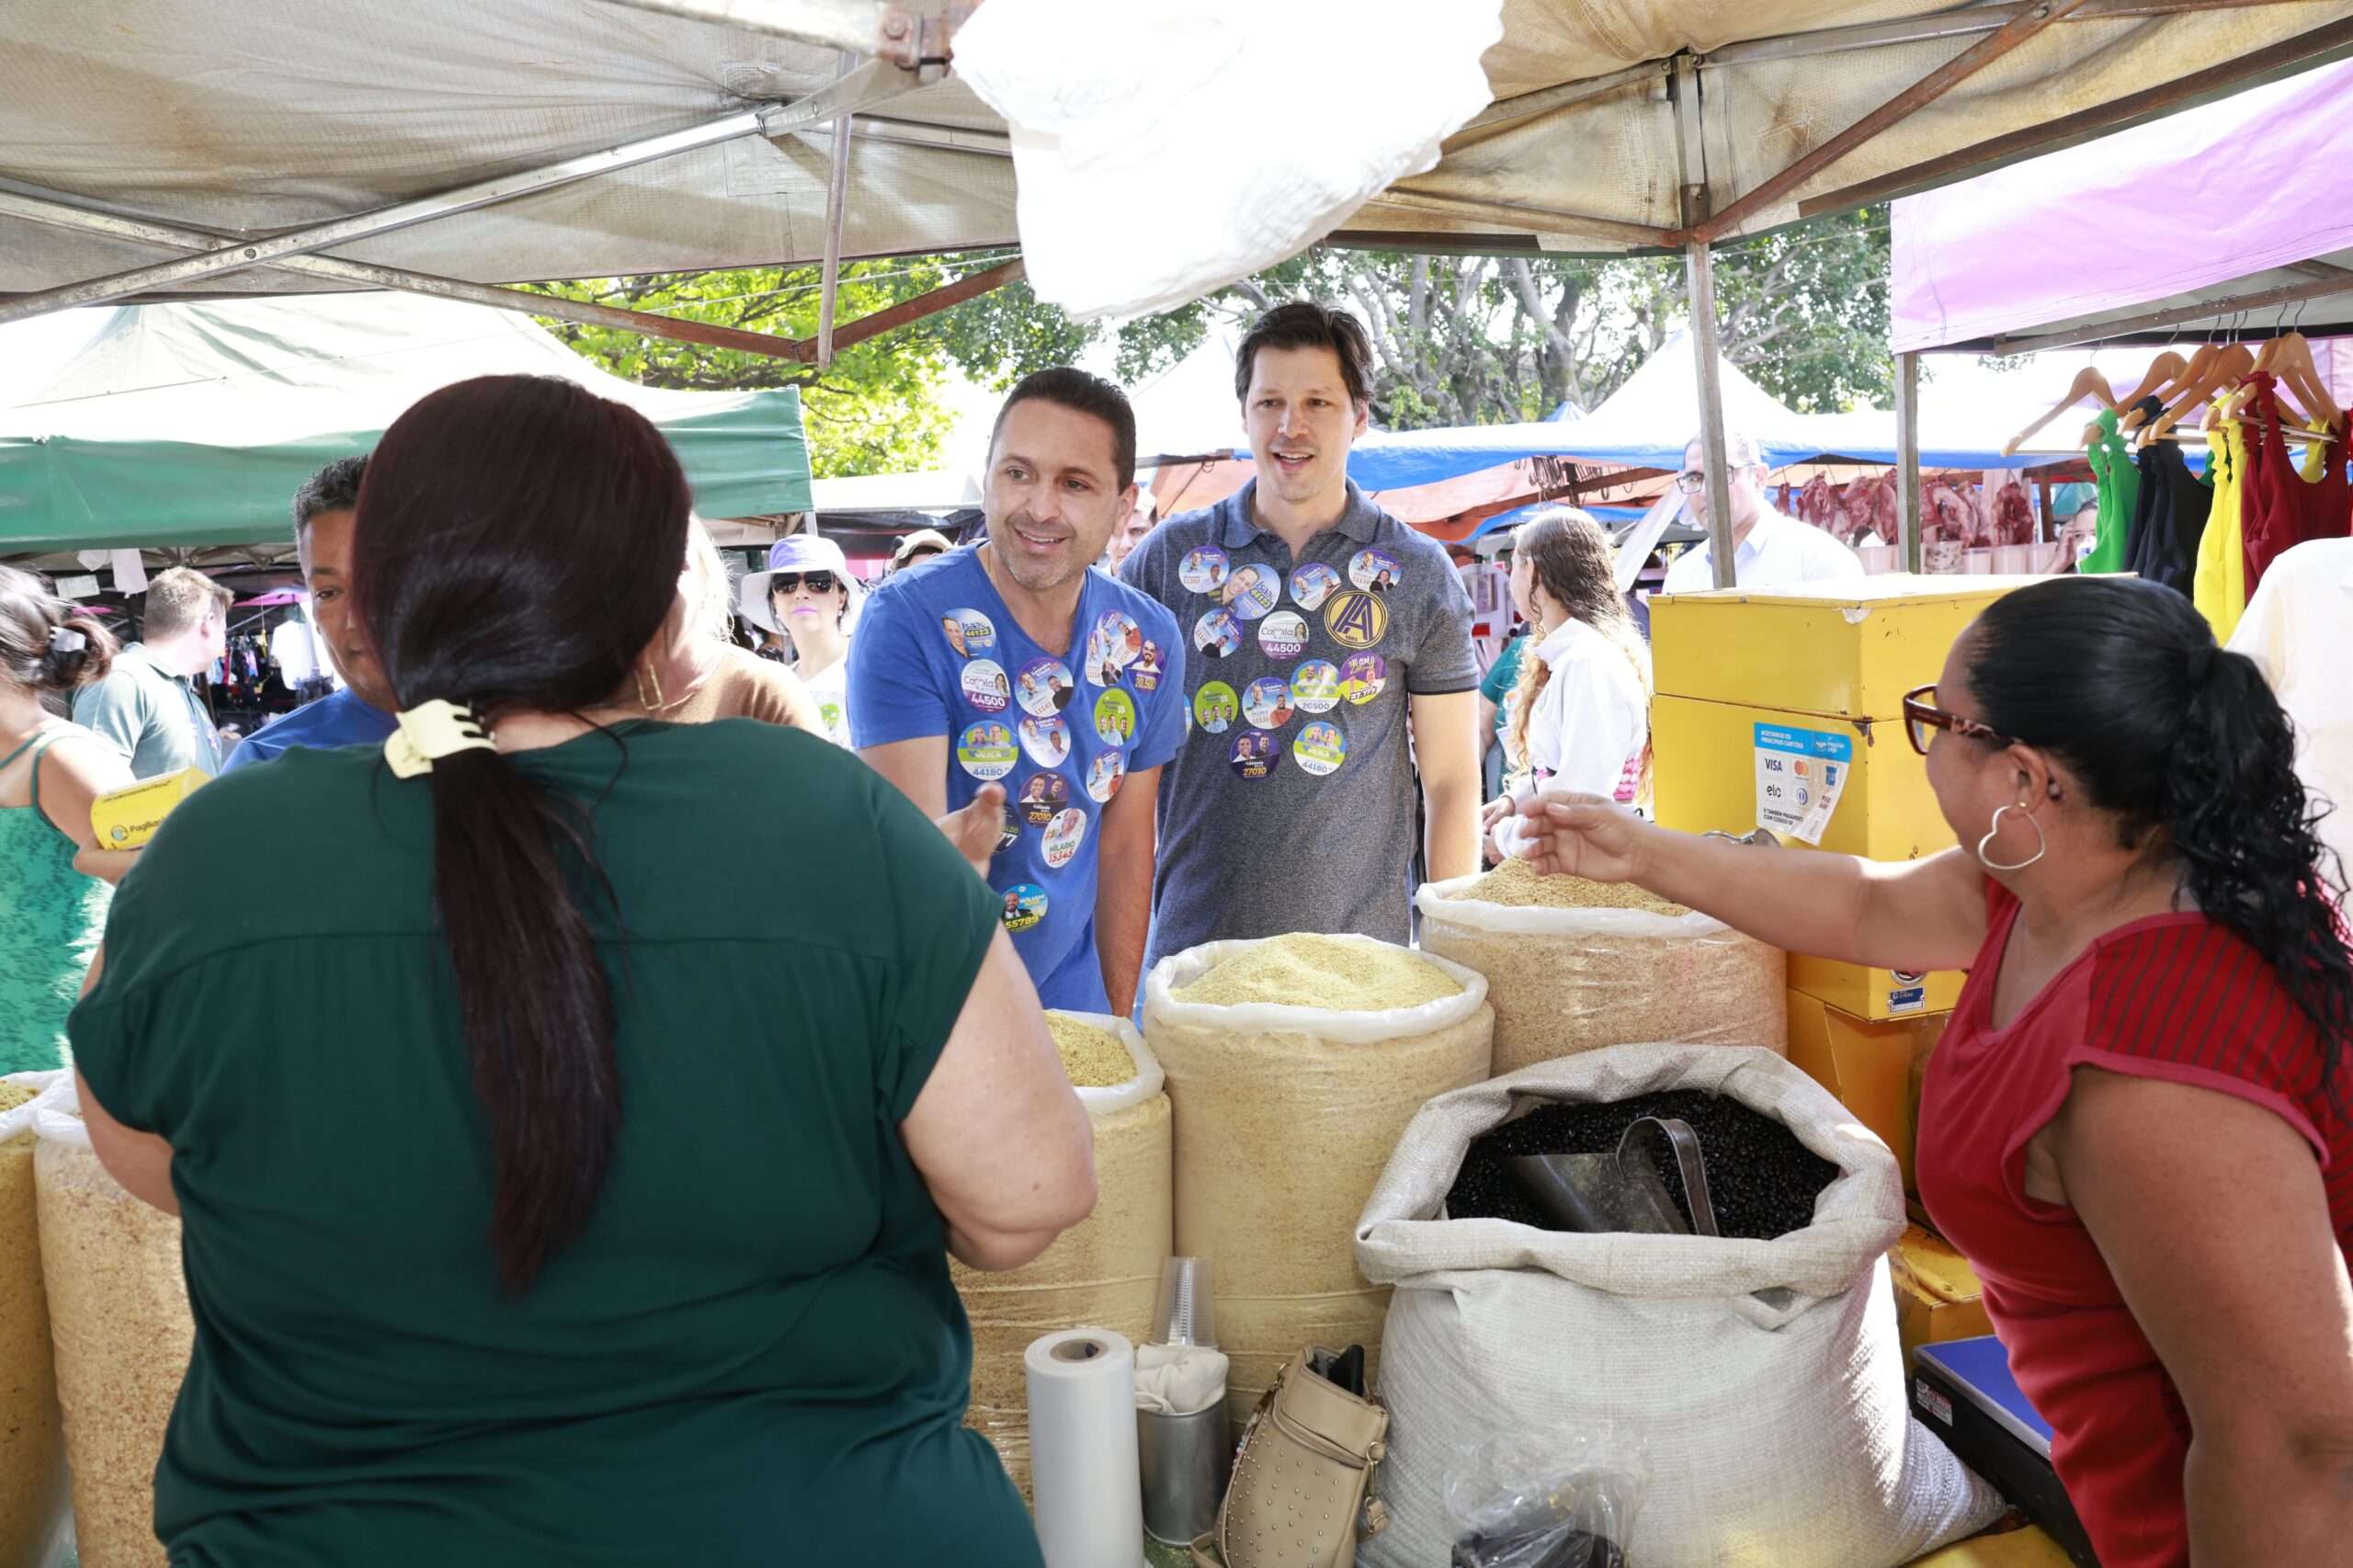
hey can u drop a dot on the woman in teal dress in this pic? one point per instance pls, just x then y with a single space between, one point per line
554 1191
50 915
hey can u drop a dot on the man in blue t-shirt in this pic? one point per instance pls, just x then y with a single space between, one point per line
1010 661
360 712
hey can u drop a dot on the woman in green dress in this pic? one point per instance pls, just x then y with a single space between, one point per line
50 915
546 1198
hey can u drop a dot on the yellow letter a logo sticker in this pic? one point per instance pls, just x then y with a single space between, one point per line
1356 620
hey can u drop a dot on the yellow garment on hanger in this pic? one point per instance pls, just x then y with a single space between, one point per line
2219 589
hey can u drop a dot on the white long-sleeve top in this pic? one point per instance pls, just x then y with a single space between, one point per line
1592 720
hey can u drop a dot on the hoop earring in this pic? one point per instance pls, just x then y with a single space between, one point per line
2041 845
644 672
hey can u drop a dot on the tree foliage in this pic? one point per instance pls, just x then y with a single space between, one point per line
1460 340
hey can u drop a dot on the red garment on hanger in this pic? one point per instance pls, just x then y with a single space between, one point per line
2279 510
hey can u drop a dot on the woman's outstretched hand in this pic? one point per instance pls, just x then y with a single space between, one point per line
1581 836
975 828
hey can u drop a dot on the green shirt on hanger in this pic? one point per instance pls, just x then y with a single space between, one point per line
754 1355
2120 495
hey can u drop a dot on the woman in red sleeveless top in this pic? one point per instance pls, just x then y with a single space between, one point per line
2136 1126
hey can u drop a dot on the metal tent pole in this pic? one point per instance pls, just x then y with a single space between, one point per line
1908 459
1700 265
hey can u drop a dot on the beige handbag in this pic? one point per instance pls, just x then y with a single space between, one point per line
1303 1489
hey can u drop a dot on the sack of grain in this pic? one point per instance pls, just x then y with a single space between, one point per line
1573 965
33 1515
1766 1376
1102 1273
1286 1112
119 1317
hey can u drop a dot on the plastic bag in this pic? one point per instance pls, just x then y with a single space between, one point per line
1104 1272
1285 1118
33 1513
1564 1506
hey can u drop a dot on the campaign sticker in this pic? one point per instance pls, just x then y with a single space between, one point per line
1356 620
1009 831
1044 795
1115 718
1114 644
1267 702
1148 667
1046 740
1204 569
1315 687
1045 686
985 751
1283 636
1311 584
1104 775
1063 837
1215 707
1254 754
1024 906
1252 591
1364 677
1375 571
970 633
1217 633
1321 748
986 687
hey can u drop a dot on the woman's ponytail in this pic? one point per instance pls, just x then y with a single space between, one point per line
47 645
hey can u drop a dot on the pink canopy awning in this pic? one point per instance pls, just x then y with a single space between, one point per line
2212 204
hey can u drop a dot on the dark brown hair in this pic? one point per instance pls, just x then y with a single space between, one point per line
1304 324
1077 390
49 645
520 546
1570 558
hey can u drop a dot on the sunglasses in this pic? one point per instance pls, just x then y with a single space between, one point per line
1920 716
818 582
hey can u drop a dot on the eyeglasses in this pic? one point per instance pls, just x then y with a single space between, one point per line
1693 481
1920 716
818 582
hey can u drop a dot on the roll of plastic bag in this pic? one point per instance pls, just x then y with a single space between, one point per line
1083 1448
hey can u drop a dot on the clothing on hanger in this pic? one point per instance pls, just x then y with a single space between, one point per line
2120 495
2279 507
2170 518
2219 586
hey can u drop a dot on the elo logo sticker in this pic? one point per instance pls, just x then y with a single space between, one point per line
1356 619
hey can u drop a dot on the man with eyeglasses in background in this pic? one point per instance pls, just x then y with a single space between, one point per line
1767 546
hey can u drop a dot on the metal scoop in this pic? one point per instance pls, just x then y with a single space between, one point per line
1600 1193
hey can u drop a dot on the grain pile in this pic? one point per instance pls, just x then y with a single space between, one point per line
32 1449
1104 1272
1573 965
1286 1116
118 1316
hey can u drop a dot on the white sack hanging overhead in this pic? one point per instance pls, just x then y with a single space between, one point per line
1277 117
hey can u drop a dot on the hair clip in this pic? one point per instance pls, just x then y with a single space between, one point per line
65 640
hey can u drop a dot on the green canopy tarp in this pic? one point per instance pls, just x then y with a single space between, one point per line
193 424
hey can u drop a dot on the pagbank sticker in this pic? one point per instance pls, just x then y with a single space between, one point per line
1045 686
985 686
1356 620
1024 906
1321 747
1104 775
1215 707
1267 702
1283 636
1148 667
970 633
1800 776
1311 584
1115 718
1363 678
1252 591
1064 836
1115 644
1044 795
1315 687
1375 571
1254 754
1046 740
1217 633
1204 569
985 751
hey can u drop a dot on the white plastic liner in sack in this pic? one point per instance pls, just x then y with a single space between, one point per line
119 1317
1102 1273
33 1511
1764 1375
1563 981
1285 1118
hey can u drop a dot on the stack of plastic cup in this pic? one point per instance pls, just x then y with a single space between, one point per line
1187 1459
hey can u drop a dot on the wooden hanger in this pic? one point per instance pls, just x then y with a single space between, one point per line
2222 367
2165 371
2294 361
2088 382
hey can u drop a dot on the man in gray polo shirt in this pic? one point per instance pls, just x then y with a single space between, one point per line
147 707
1319 625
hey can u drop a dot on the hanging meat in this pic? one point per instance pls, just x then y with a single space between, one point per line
1871 503
1818 504
1948 511
2013 516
